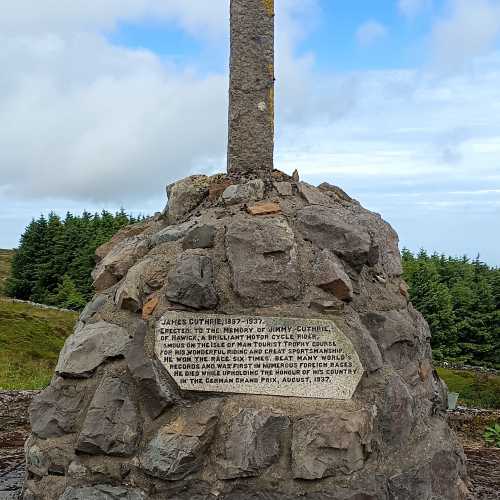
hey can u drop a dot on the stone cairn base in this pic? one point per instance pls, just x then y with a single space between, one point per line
113 424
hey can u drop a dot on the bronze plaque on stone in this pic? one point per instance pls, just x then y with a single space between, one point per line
309 358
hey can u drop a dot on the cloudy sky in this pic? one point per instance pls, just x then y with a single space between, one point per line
104 102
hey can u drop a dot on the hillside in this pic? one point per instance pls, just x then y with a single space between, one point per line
30 341
5 265
30 338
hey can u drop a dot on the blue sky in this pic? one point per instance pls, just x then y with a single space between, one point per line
104 102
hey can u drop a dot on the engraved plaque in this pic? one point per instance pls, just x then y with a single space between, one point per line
309 358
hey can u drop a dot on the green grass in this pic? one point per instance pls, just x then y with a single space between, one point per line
475 390
30 341
5 262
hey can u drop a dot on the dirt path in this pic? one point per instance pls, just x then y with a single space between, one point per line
483 463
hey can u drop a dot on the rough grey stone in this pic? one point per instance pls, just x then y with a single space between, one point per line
191 283
327 306
123 234
397 416
411 485
179 448
329 275
244 193
313 195
155 393
336 192
111 426
284 188
251 443
118 261
445 469
92 308
142 279
185 195
102 492
263 257
85 350
47 488
394 333
366 347
49 456
251 93
171 233
333 444
56 411
324 227
200 237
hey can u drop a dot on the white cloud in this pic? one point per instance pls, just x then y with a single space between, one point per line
412 8
68 16
370 32
469 29
81 118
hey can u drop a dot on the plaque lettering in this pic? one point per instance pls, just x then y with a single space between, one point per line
308 358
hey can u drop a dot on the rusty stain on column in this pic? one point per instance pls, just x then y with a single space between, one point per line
251 89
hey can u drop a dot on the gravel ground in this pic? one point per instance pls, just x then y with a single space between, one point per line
483 463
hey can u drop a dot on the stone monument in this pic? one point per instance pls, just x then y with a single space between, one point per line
253 341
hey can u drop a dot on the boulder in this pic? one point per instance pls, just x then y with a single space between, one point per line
264 208
98 469
118 261
49 456
217 188
284 188
252 443
46 488
171 233
333 444
111 426
336 193
244 193
446 469
324 228
263 257
397 414
329 275
142 279
57 410
185 195
124 233
92 308
191 283
202 236
325 306
180 447
394 333
102 492
313 195
411 484
155 394
366 347
91 346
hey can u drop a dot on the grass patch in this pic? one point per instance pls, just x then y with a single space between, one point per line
476 390
30 341
5 266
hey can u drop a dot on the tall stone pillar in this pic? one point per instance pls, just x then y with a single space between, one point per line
251 93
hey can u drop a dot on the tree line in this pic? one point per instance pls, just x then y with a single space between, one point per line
460 299
56 256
